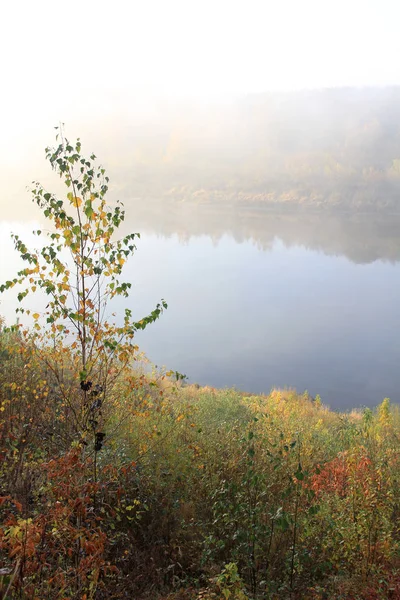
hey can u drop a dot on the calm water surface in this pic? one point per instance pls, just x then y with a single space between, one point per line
290 308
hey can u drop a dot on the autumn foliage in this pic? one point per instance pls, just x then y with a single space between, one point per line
117 482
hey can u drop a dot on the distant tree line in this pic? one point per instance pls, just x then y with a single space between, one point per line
336 148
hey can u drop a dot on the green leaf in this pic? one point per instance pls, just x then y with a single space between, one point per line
89 210
313 510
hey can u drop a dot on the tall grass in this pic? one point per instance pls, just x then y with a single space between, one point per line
199 493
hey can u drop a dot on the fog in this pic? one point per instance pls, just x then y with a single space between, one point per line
335 150
257 148
103 66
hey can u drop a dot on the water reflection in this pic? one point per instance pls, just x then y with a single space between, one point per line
362 238
287 317
259 300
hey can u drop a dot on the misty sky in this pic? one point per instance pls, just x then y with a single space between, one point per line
51 49
67 61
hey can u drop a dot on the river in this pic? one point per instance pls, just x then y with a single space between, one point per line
258 300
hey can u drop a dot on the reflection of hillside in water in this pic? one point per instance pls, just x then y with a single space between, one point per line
360 238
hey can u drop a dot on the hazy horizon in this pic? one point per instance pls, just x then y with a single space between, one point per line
79 61
282 120
336 149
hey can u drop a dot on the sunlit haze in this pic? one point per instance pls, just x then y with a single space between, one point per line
61 60
68 62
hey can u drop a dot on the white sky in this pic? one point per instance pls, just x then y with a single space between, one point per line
61 60
196 46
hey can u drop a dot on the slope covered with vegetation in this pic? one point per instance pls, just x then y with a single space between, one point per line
193 486
331 149
120 483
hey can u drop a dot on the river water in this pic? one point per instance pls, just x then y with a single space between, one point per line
258 300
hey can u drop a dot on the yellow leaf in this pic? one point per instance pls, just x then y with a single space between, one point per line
35 316
76 201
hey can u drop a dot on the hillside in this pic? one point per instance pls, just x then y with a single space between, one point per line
336 148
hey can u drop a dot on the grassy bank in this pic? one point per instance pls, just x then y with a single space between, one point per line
194 493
